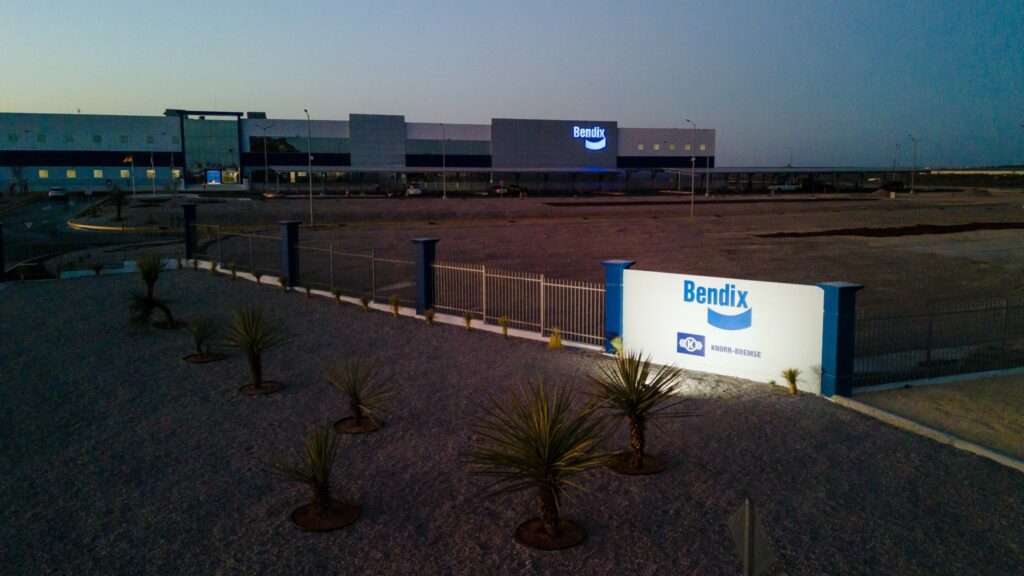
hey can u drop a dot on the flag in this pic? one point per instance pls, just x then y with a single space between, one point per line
127 159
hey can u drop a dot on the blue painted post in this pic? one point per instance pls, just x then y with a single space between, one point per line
3 274
837 342
190 230
290 252
425 250
613 273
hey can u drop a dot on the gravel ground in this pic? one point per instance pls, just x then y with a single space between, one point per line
119 458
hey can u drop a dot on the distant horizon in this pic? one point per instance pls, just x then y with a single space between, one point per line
829 83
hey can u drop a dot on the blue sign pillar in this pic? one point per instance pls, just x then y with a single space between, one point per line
837 343
190 230
613 273
290 252
425 250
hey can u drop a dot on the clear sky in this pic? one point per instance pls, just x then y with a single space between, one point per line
839 82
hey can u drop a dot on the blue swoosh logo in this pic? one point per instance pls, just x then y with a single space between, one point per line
599 145
740 321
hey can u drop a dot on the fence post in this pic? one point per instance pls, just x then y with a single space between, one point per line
190 230
613 274
483 281
425 250
3 274
290 252
542 305
839 325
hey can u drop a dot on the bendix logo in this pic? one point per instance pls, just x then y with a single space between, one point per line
727 296
692 344
593 138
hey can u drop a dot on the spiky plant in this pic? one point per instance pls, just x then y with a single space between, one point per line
195 264
180 266
504 322
366 386
234 270
253 333
393 302
257 276
309 291
534 442
203 330
791 376
555 341
57 271
336 292
141 308
150 265
312 467
365 300
96 267
634 391
213 269
117 196
428 315
283 283
467 316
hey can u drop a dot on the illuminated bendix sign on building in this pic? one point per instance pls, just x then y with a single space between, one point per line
593 138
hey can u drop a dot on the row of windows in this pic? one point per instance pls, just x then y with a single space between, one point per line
99 174
96 138
672 147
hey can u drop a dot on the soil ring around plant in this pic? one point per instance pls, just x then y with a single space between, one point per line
349 426
338 515
620 464
203 358
532 534
165 325
266 387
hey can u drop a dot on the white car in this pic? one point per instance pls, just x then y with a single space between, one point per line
57 193
787 187
413 191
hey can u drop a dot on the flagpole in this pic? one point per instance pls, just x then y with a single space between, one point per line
133 174
153 168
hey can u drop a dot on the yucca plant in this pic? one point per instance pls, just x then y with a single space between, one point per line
212 271
467 316
96 267
195 264
313 467
234 270
555 341
633 390
393 302
203 330
253 333
309 291
533 441
791 376
143 305
365 300
368 389
336 292
428 315
504 323
149 266
257 276
283 283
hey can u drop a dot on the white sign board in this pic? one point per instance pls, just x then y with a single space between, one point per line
742 328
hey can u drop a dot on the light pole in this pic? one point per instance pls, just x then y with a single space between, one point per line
790 148
913 163
693 160
444 163
266 165
309 158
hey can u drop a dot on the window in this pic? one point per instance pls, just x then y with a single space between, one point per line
96 139
672 147
124 138
176 173
69 137
657 147
40 137
302 174
150 139
175 140
44 174
687 147
150 173
639 146
124 173
12 137
98 174
703 147
72 173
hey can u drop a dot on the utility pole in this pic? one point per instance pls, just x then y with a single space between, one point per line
913 163
309 157
444 163
790 165
693 160
266 165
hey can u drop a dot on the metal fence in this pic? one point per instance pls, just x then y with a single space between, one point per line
973 337
253 253
528 301
358 274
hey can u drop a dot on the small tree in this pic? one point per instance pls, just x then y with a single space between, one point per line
555 341
630 389
428 315
143 305
203 330
368 390
312 467
791 376
533 441
365 300
117 196
504 323
253 333
336 292
467 316
393 301
283 283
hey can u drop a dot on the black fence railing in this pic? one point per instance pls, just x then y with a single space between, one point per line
972 337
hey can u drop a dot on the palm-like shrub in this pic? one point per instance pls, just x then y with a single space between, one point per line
283 283
467 317
234 270
253 333
365 300
534 442
312 467
143 305
504 322
149 266
368 390
336 292
203 330
117 196
393 301
791 376
634 391
555 341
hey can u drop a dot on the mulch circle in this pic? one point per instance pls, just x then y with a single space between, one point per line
203 358
165 325
338 515
266 387
531 533
348 425
621 465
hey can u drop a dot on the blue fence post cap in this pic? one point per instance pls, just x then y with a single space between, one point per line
426 239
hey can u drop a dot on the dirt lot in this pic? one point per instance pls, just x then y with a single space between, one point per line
988 411
728 236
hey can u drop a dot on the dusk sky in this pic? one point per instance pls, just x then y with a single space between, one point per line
839 82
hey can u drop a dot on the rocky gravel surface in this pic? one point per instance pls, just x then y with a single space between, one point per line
120 458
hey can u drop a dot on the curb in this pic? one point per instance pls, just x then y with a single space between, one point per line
20 203
128 229
928 432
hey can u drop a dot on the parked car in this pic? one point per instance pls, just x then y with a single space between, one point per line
787 187
413 191
57 193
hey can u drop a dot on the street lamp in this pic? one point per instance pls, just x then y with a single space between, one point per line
790 148
913 163
693 160
266 165
444 163
309 158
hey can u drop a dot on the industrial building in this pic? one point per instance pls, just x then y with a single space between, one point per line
210 150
